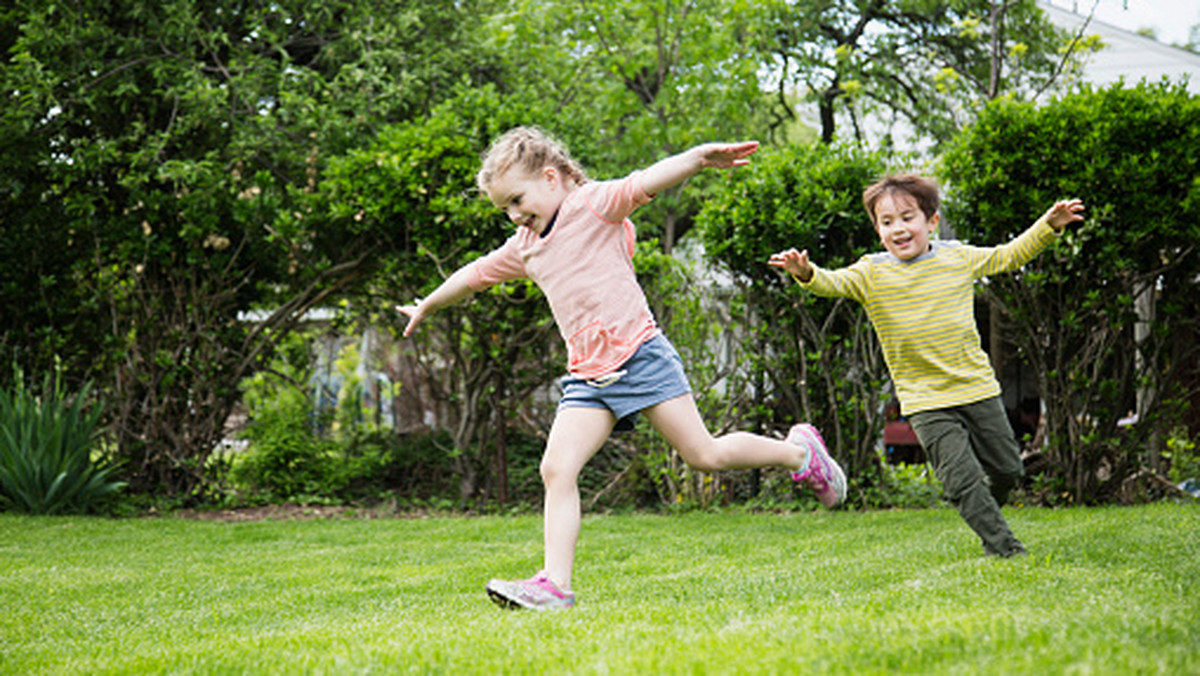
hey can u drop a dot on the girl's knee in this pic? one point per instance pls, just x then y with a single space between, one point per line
555 471
705 457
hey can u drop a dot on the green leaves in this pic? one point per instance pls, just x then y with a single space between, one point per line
1130 153
853 59
176 148
807 197
45 450
642 81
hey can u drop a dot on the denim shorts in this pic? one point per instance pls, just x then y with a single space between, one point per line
653 374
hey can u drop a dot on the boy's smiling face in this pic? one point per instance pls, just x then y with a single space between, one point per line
902 226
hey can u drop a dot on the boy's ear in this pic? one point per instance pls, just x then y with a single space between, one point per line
550 173
933 222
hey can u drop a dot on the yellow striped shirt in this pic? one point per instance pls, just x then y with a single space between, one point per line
924 313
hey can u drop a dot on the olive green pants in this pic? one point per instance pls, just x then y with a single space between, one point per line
976 458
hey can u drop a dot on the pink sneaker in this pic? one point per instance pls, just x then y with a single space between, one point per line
536 593
823 473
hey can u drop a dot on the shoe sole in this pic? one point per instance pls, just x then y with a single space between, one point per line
502 600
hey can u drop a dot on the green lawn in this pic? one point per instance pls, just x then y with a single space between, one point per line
1105 591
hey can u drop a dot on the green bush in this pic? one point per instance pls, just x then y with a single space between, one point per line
45 451
299 453
1107 318
902 486
803 357
1183 456
285 459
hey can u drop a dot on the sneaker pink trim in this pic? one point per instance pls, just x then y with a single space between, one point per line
537 593
822 472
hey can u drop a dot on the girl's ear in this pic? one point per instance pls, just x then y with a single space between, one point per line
550 173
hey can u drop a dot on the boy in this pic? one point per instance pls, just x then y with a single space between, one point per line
919 295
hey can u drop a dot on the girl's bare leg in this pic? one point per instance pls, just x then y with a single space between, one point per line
679 422
575 436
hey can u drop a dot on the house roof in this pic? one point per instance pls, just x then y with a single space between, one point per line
1128 55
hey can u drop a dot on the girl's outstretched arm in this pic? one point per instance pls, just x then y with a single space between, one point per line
454 289
677 168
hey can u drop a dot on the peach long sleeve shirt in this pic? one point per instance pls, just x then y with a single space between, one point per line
584 266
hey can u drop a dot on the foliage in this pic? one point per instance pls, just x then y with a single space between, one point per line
46 443
899 486
808 358
286 459
1105 316
926 62
171 167
1103 591
156 156
1183 456
300 451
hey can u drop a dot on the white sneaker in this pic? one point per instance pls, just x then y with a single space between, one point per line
537 593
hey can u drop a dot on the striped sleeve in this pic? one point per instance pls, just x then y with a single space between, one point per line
992 260
848 282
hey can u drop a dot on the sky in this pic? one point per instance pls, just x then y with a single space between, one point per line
1170 19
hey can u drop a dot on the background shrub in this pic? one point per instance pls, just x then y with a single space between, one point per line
1108 318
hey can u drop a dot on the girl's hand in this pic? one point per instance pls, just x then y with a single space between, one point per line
1064 212
727 155
670 172
794 263
414 313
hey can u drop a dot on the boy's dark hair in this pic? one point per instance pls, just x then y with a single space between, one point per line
922 189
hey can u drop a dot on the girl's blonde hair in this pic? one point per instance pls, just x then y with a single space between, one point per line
528 149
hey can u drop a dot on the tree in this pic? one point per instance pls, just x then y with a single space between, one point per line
156 155
928 63
1105 318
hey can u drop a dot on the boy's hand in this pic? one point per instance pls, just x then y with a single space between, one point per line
727 155
793 262
414 313
1064 212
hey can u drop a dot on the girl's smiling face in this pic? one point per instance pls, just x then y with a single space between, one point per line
529 200
902 226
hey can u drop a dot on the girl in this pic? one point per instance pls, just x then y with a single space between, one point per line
575 241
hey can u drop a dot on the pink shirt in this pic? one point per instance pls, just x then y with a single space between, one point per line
584 266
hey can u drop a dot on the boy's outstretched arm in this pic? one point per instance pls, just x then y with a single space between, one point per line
677 168
794 263
1064 212
454 289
